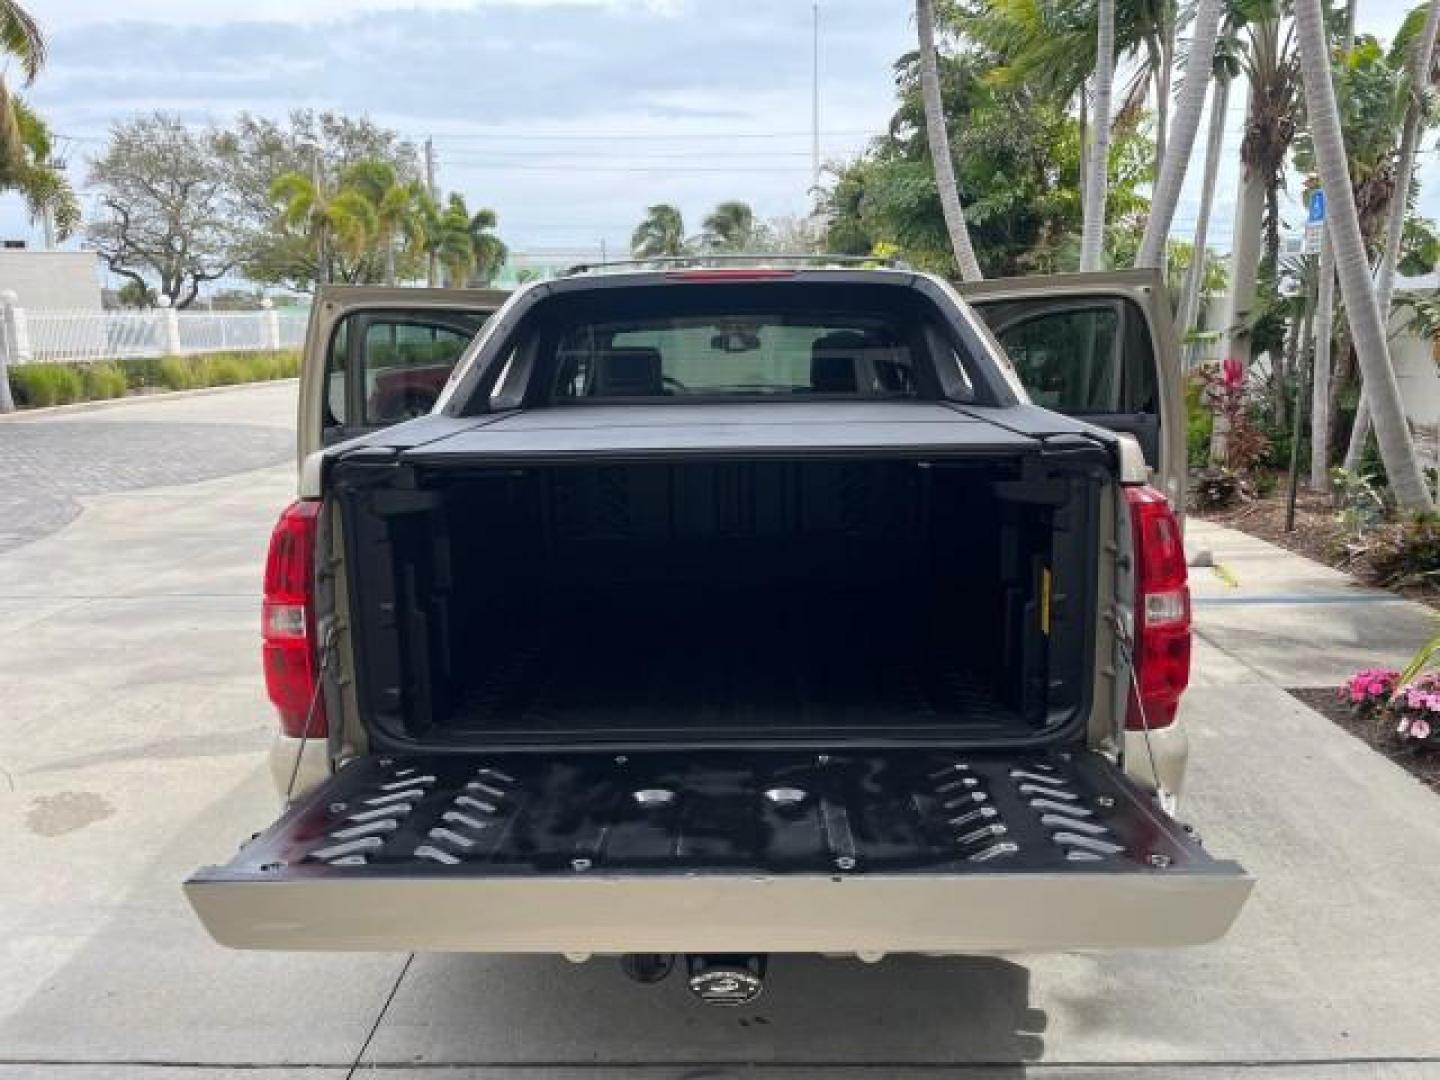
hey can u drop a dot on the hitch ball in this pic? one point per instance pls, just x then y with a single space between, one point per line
727 978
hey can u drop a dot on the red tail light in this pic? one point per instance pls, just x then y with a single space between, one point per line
1162 611
288 621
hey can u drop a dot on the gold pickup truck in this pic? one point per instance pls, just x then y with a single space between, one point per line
721 611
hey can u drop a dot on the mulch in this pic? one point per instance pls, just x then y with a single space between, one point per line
1423 763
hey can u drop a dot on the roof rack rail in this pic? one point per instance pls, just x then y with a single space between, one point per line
759 260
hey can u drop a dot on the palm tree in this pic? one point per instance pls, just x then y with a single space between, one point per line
38 178
396 206
1270 64
338 222
939 139
431 221
729 227
1397 448
456 249
1324 326
488 249
660 234
1092 230
1052 47
20 37
1225 69
26 162
1182 138
1421 75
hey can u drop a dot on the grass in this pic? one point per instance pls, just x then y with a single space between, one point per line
37 385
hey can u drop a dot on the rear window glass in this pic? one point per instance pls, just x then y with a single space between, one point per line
754 354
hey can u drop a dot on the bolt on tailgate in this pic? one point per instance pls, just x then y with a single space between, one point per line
505 839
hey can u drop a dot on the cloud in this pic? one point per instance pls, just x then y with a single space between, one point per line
567 117
68 14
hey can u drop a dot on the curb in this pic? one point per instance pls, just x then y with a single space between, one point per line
135 399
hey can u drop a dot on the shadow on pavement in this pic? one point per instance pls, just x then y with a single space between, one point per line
146 984
475 1011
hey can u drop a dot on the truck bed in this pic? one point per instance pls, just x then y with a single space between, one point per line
732 662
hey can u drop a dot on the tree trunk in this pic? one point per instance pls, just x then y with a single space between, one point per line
1420 61
1323 364
1162 103
1092 238
1244 264
1270 264
939 139
1164 140
1085 136
390 261
1397 448
1182 137
1195 276
322 260
1320 388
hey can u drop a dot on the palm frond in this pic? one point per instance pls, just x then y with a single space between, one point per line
20 36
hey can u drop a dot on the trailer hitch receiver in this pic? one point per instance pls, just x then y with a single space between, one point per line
727 978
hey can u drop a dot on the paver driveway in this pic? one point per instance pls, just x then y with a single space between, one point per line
132 726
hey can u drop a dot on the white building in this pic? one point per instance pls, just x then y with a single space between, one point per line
51 280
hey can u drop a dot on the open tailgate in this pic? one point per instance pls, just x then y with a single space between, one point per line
780 851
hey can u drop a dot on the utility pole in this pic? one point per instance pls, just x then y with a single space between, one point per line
322 254
815 99
432 268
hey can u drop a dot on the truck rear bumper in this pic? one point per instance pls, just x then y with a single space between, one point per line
995 912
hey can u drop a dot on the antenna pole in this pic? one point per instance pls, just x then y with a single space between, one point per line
815 99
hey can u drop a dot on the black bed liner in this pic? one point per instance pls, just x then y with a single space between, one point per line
775 812
618 664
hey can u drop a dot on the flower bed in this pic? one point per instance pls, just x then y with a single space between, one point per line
1396 715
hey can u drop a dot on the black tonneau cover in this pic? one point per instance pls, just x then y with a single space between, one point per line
732 429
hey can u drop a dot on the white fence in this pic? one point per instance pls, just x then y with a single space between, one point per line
34 336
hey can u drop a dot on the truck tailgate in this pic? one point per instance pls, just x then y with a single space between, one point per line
781 851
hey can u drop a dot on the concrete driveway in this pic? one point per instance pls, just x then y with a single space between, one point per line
132 728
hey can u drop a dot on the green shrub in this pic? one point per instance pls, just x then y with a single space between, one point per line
1406 551
1215 488
104 380
1199 423
38 385
141 371
178 373
225 370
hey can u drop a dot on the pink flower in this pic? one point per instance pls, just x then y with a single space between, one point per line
1403 728
1420 728
1232 373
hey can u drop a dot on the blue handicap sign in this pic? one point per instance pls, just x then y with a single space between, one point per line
1317 205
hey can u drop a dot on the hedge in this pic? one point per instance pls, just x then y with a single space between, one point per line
37 385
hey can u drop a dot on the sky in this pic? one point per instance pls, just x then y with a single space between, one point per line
567 117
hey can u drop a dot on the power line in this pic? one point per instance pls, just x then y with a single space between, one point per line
582 168
657 136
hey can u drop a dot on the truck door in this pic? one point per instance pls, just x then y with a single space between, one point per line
1100 347
376 356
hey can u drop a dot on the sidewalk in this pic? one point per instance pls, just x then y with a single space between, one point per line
1263 613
